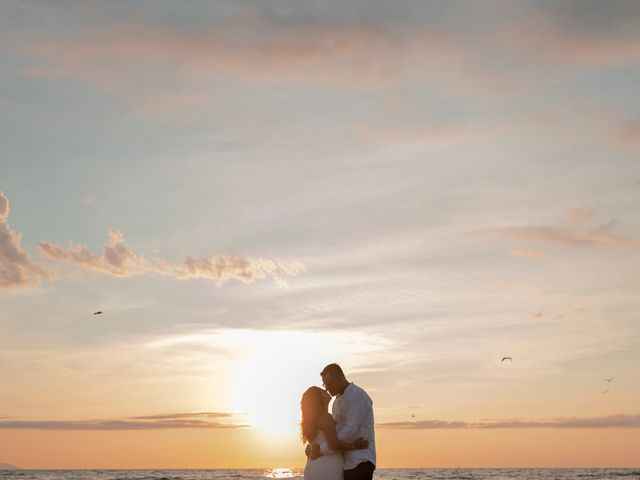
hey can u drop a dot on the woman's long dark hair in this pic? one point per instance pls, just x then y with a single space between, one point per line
313 405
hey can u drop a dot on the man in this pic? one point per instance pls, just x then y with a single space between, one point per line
352 411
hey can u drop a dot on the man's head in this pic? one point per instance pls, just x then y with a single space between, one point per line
333 379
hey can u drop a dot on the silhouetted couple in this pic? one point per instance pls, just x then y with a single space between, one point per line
340 445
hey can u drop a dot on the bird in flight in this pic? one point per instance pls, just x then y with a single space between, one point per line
413 416
98 312
609 379
506 358
604 391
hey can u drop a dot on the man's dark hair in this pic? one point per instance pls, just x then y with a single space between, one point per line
333 369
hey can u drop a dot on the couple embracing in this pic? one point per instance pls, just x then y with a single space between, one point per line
340 445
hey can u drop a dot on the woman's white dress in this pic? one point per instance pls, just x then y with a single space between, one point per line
326 467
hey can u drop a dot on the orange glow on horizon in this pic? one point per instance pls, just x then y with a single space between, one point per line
252 449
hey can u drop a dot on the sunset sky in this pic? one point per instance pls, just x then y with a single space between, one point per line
249 190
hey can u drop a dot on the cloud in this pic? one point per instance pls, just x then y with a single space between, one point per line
164 72
258 48
626 134
574 34
200 420
611 421
267 51
527 252
437 135
119 261
16 267
173 416
226 267
579 214
116 259
561 236
356 47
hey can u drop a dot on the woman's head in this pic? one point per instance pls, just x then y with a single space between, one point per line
314 403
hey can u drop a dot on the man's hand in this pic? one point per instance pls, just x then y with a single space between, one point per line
360 444
315 452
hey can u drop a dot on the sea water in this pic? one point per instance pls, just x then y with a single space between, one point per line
381 474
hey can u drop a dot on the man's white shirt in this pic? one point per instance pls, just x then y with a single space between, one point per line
353 414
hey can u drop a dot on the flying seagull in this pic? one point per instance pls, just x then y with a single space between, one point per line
506 358
604 391
98 312
609 379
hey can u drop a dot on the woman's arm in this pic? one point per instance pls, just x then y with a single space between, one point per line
328 426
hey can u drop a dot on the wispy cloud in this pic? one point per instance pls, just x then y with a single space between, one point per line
370 49
174 416
527 252
196 65
611 421
585 34
626 134
199 420
118 260
436 135
221 268
601 237
578 214
16 267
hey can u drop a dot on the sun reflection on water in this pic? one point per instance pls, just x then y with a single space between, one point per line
281 473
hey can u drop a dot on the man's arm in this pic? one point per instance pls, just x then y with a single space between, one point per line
329 428
313 451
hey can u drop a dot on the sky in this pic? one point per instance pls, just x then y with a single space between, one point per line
249 191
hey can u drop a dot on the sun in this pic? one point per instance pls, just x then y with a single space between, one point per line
269 380
268 402
271 372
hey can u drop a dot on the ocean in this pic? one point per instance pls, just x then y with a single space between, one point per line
382 474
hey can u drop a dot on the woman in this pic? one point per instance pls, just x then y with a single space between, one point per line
319 428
